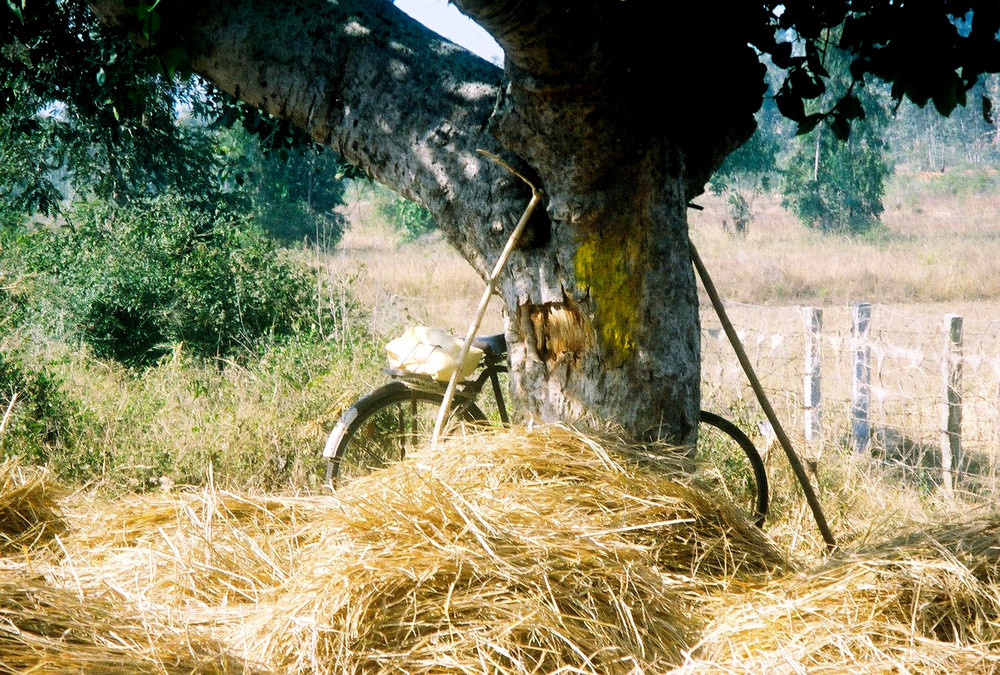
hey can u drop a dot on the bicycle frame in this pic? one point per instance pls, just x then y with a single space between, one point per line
469 390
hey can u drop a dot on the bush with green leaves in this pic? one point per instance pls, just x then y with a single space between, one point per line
138 279
39 418
837 186
411 219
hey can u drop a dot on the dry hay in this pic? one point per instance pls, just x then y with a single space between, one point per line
523 551
29 516
533 551
925 602
142 585
49 629
209 549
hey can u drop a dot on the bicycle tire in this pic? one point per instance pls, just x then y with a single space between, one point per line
761 496
377 430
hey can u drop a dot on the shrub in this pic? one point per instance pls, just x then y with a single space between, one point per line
137 279
837 186
409 218
41 415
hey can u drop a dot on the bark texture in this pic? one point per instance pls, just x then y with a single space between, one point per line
608 104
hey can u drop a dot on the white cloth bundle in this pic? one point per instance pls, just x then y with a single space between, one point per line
433 352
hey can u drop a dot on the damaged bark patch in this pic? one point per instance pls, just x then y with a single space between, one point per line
560 330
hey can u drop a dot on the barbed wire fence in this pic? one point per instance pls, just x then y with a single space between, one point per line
919 392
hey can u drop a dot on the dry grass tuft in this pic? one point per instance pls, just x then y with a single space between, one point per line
48 629
29 516
198 550
926 602
521 551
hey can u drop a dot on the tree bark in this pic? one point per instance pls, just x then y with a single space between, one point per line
600 297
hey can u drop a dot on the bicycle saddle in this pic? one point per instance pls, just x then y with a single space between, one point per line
493 345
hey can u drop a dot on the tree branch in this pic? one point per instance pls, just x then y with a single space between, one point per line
618 77
390 96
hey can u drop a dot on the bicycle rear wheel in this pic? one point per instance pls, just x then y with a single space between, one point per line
742 476
382 426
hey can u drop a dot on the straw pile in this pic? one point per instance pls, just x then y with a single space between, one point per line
49 629
524 552
926 602
536 550
29 516
195 550
68 604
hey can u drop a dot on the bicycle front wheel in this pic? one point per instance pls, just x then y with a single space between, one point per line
383 426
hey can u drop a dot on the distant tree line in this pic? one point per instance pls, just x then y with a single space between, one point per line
833 177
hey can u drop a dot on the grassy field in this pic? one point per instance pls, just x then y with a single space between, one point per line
935 254
420 283
936 249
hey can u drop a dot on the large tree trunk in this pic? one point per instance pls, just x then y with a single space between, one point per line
603 320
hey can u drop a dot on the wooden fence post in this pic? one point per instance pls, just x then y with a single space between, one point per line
951 406
861 314
812 397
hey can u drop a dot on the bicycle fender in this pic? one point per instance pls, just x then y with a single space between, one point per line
338 432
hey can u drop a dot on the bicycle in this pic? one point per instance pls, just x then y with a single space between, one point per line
378 428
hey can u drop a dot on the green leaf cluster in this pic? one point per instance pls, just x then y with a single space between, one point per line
410 219
138 280
835 176
925 52
85 111
836 186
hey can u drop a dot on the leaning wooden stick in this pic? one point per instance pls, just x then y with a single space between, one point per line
491 283
765 404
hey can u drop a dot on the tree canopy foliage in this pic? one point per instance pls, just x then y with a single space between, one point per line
71 99
85 111
835 184
833 82
156 187
926 51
